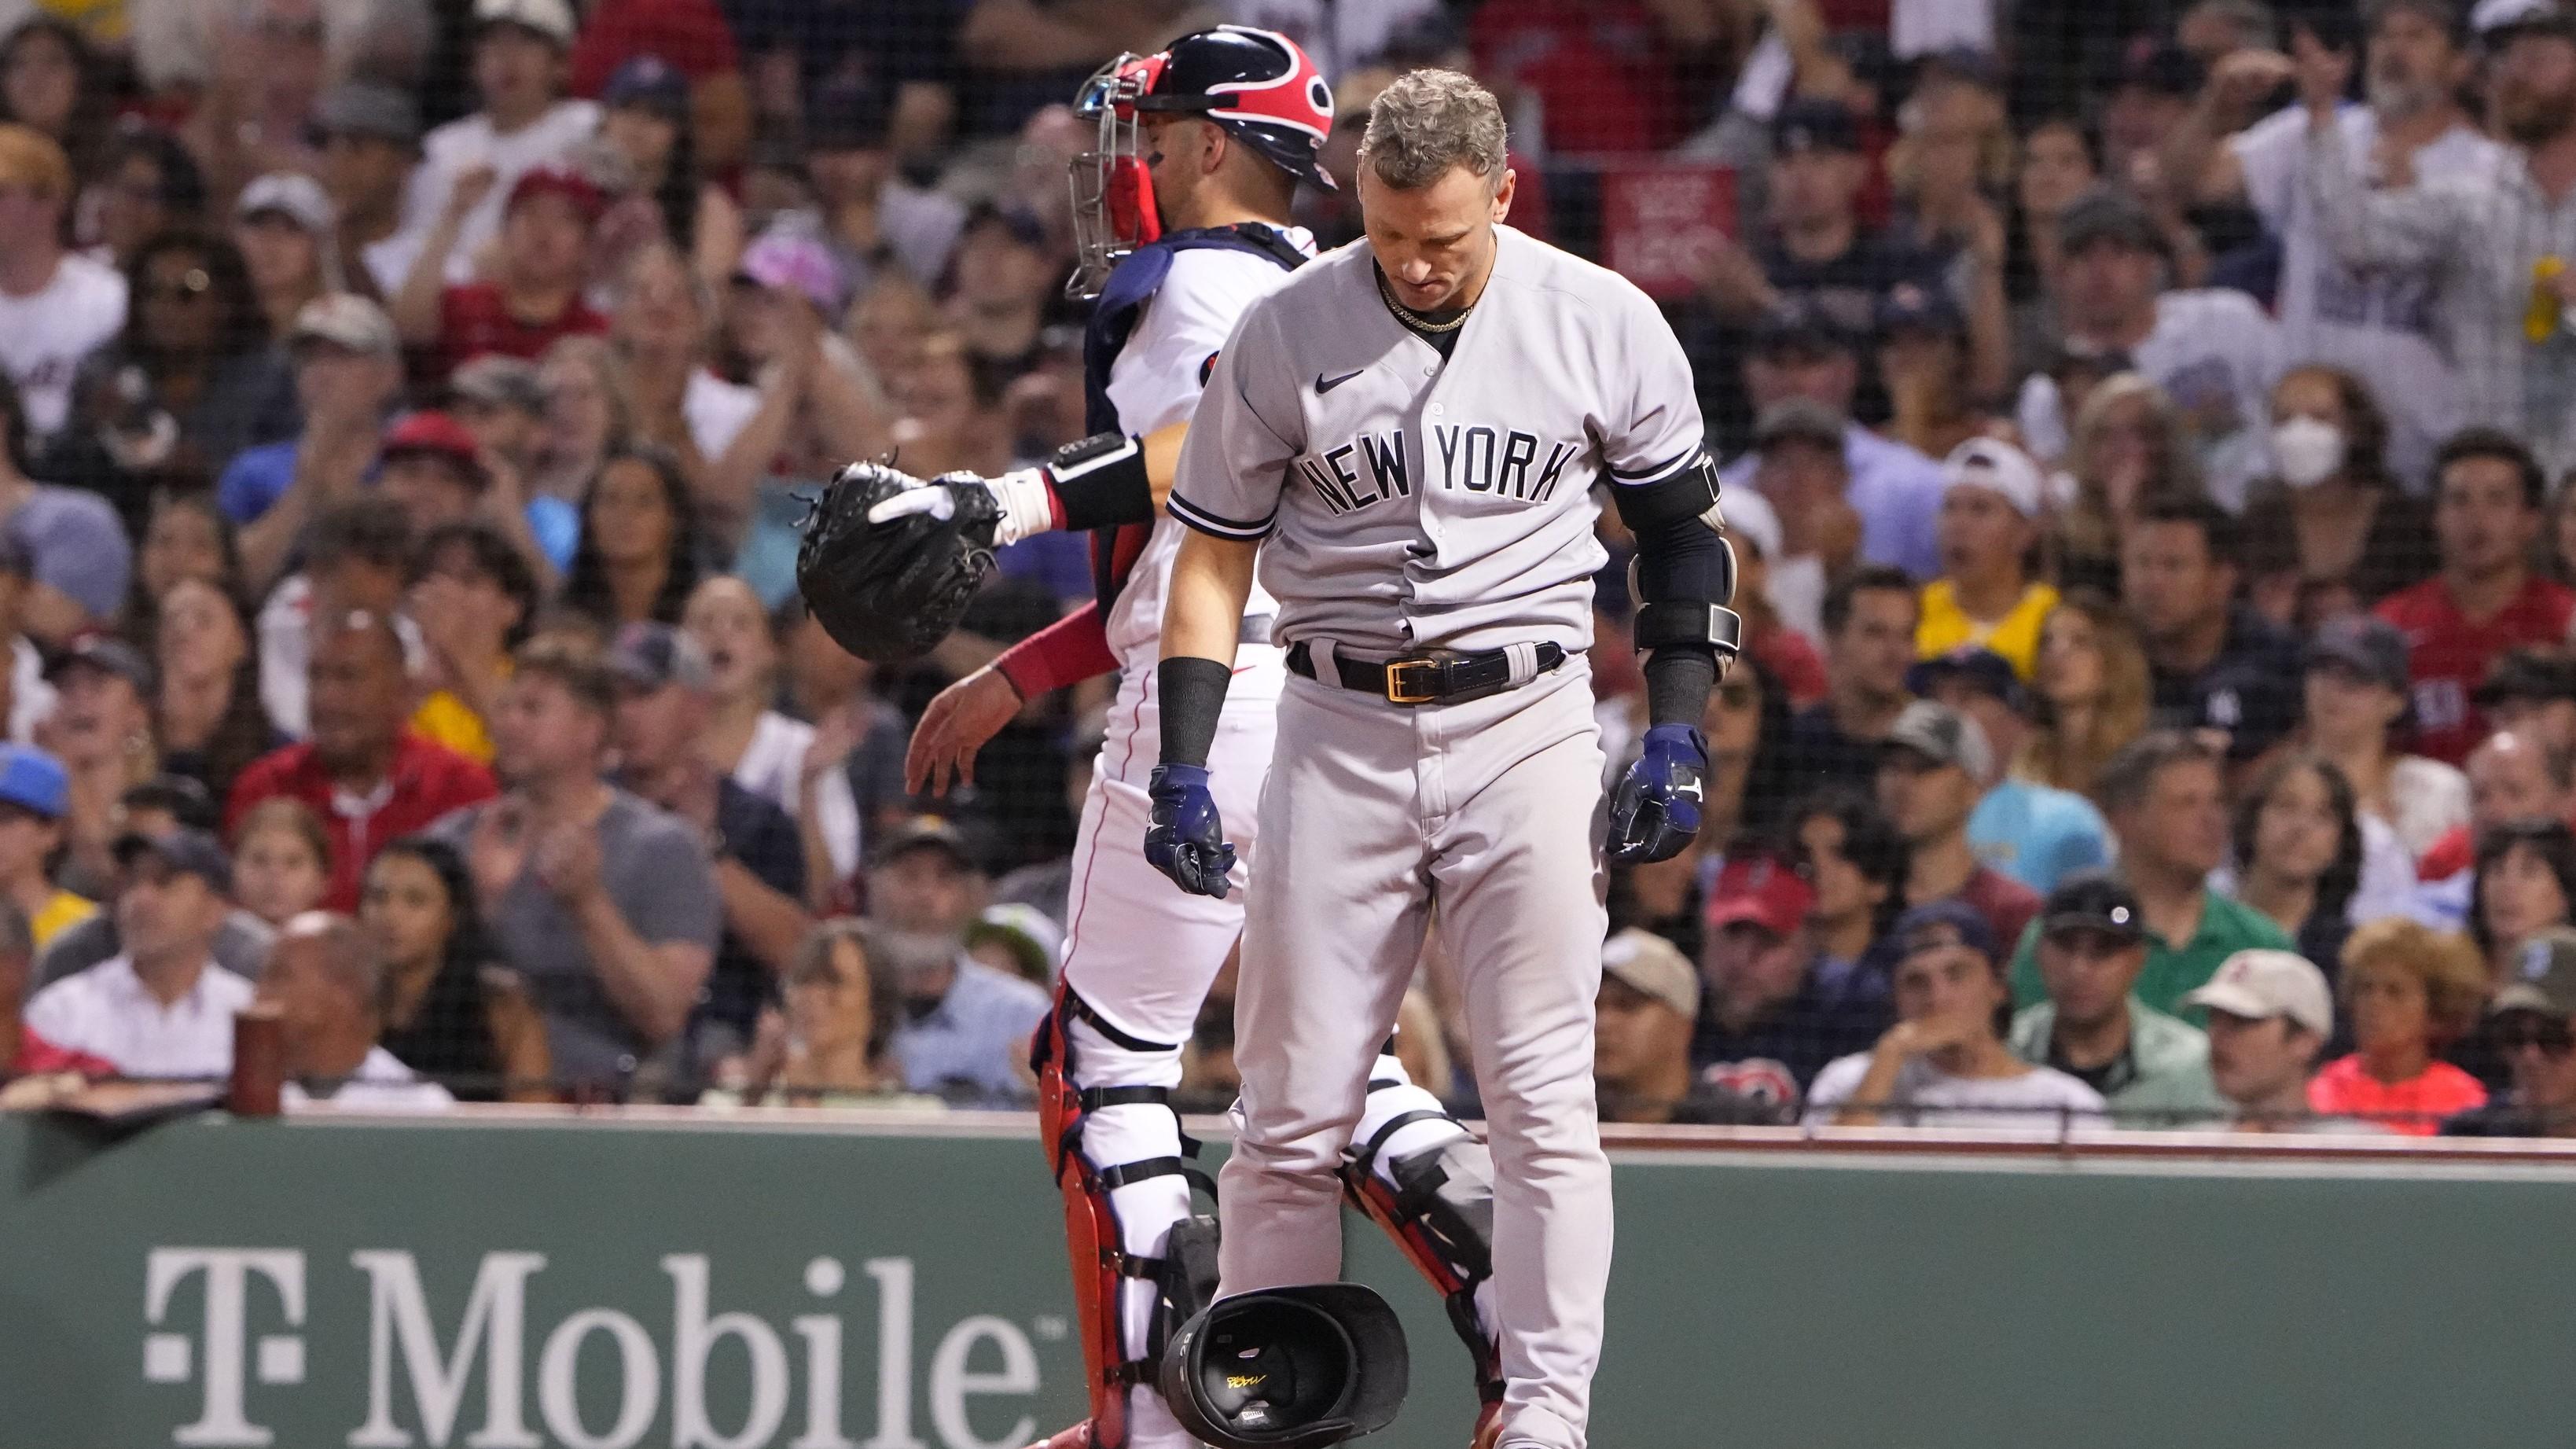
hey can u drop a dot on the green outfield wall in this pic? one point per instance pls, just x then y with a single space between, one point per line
608 1284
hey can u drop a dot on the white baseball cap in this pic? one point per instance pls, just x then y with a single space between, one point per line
1998 467
552 19
1653 966
2261 983
1751 517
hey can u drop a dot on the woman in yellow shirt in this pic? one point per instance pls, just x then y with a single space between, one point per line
1988 532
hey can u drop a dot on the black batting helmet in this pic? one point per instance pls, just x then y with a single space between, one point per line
1287 1368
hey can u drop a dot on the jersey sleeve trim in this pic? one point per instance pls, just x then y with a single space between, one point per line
1656 472
1220 525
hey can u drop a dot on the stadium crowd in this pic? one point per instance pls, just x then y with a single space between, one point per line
2153 475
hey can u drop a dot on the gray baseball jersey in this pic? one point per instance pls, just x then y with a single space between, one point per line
1406 504
1408 501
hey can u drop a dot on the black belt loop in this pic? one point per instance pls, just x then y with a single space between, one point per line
1442 677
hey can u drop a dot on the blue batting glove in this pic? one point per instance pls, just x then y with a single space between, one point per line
1187 839
1655 811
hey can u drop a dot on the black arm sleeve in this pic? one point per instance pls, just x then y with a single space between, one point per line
1100 482
1193 692
1681 561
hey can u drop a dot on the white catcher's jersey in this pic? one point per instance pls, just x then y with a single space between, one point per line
1409 502
1155 382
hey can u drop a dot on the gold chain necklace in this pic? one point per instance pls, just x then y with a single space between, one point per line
1416 320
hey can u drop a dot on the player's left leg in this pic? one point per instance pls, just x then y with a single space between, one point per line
1514 870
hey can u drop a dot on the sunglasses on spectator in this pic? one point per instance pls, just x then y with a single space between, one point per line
2552 1037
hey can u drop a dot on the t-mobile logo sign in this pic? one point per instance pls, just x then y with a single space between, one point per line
220 1356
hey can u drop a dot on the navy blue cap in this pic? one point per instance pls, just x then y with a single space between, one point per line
1944 923
1974 663
1910 307
189 852
650 82
1798 326
848 115
1814 125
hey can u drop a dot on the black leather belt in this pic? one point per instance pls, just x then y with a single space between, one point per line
1437 676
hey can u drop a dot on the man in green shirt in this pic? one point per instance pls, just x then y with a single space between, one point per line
2164 794
2152 1069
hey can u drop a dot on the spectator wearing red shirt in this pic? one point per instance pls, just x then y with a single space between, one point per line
2408 990
370 779
691 37
534 294
2486 599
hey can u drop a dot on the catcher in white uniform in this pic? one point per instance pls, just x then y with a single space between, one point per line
1410 432
1182 212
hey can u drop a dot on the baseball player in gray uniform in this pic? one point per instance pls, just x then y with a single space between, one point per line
1407 433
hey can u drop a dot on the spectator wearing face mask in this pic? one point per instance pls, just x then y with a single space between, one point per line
2331 532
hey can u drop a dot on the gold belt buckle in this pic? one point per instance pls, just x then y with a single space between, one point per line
1397 691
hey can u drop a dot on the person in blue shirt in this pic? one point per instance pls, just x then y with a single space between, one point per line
2035 833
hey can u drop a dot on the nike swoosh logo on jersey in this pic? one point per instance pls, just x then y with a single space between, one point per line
1325 384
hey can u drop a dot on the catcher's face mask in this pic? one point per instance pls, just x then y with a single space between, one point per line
1113 192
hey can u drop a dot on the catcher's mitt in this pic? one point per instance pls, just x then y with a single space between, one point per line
889 591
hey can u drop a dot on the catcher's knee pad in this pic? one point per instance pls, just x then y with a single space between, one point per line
1181 1270
1437 1203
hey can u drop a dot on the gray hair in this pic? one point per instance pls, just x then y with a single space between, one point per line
1427 121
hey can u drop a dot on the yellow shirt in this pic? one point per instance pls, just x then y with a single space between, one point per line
444 719
60 914
2015 636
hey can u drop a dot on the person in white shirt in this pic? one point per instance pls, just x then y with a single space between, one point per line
327 984
519 55
2212 350
56 306
2377 323
1944 1063
162 1007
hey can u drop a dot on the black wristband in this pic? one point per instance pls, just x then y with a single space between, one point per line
1100 482
1193 691
1678 679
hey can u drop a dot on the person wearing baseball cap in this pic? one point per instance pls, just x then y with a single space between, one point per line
2152 1069
664 702
2117 294
2531 692
348 376
1944 1063
2270 1015
2037 834
1991 502
34 792
1641 1063
1923 359
1766 1026
535 295
162 1006
1931 775
2355 680
369 134
2531 1022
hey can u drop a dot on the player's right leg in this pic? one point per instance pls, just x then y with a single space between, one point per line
1139 957
1332 933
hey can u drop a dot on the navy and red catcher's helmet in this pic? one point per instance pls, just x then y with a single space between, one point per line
1256 84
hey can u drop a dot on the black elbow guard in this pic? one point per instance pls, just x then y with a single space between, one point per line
1685 579
1100 482
1688 492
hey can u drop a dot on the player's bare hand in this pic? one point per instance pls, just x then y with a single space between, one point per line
958 723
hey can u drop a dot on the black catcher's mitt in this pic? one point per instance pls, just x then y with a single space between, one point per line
888 592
